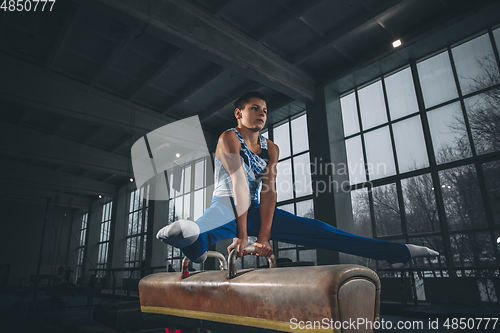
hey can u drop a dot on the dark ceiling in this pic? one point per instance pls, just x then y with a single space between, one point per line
81 83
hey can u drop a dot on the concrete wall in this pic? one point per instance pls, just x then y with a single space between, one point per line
22 228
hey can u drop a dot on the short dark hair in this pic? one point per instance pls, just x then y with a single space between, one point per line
241 102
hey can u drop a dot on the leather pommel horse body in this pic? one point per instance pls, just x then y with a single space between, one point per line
292 299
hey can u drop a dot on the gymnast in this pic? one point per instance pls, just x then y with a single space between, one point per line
245 161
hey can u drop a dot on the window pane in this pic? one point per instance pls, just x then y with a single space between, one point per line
410 144
171 183
496 36
187 207
302 170
178 208
372 105
436 80
282 139
198 204
401 94
176 264
265 134
305 209
462 198
349 114
290 254
308 255
483 111
492 176
284 185
187 179
476 65
420 205
472 249
380 158
140 198
131 205
448 133
355 160
289 208
137 199
250 261
386 208
361 213
199 171
300 140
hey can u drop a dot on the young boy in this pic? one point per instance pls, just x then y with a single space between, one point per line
245 160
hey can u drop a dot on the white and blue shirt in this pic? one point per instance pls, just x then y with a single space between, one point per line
253 167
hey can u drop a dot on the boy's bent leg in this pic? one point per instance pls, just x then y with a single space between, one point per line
314 233
194 238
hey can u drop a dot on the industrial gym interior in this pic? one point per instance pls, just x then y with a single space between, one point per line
386 112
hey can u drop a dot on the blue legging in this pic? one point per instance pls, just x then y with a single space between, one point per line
218 223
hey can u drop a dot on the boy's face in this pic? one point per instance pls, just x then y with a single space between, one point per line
254 115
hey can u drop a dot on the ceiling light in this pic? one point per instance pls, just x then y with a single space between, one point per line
396 43
177 155
100 196
131 179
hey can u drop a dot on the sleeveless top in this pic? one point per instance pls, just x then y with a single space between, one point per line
253 167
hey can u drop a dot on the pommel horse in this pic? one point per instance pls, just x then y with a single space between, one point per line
291 299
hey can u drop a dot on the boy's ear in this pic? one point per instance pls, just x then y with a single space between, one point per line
237 113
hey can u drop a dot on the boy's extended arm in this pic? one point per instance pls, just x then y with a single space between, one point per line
228 152
267 202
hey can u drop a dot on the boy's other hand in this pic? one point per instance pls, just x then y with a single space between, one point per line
239 244
264 249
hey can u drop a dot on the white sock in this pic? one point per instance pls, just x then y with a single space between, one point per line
417 251
180 234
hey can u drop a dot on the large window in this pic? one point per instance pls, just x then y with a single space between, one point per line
102 257
188 203
81 246
135 252
293 182
423 149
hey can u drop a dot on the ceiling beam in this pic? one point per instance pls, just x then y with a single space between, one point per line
54 93
118 48
92 135
126 138
221 8
194 86
190 28
33 145
39 177
277 24
466 17
354 25
279 103
63 34
62 123
24 194
169 59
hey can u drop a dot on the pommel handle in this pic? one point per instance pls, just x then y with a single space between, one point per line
250 250
211 254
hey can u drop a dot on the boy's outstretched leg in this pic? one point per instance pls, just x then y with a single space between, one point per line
417 251
313 233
